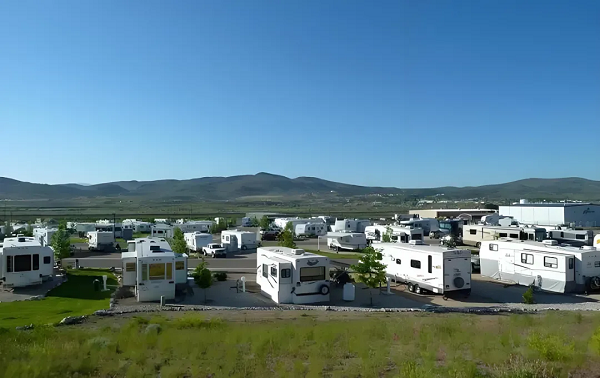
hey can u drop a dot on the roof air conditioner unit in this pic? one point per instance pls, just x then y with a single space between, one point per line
550 242
297 252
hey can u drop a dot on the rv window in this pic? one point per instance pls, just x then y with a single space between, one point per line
417 237
571 263
398 261
274 271
503 234
47 260
36 262
265 271
581 237
314 273
596 264
493 247
429 264
550 262
157 272
286 273
562 234
144 272
130 267
22 263
169 271
9 264
415 264
473 232
530 236
526 258
179 265
514 236
227 238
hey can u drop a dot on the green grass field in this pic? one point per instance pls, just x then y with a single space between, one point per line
311 345
73 298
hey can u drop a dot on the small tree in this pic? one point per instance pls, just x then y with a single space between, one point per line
178 242
61 243
221 225
265 222
254 222
286 237
387 237
370 270
7 229
28 231
202 277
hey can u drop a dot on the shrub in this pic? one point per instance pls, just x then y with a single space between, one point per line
220 276
595 341
528 296
551 347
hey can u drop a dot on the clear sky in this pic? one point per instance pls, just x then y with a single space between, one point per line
392 93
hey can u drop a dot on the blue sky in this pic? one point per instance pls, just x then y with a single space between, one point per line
391 93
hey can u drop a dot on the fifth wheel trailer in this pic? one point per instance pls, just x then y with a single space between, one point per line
576 238
292 276
476 234
195 241
545 265
24 262
427 267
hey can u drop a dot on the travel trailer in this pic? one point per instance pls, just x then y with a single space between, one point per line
25 262
101 241
475 234
351 225
192 226
350 241
196 240
44 235
137 226
398 234
234 240
428 268
329 221
282 222
576 238
428 225
375 233
292 276
161 230
448 228
311 229
545 265
153 269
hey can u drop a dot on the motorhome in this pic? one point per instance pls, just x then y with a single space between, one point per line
428 268
351 241
576 238
234 240
196 240
544 265
24 262
161 230
475 234
311 229
292 276
153 269
44 235
101 241
428 225
351 225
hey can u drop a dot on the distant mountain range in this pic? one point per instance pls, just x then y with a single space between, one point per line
265 184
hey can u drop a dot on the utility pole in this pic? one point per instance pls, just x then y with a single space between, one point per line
114 225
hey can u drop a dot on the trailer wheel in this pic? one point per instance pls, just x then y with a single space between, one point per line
244 248
324 290
478 245
411 288
418 290
445 298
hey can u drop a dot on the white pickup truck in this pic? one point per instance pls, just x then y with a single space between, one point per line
214 250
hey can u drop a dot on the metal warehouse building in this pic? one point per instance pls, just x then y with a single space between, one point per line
554 214
475 214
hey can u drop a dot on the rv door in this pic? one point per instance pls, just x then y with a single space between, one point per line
506 263
284 277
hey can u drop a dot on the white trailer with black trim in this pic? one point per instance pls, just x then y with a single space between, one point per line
475 234
25 262
576 238
546 265
311 229
428 268
351 241
292 276
234 240
153 269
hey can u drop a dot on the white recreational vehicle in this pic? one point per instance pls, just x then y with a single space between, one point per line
311 229
292 276
282 222
161 230
44 235
476 234
24 262
397 233
427 267
375 233
351 241
196 240
576 238
234 240
192 226
351 225
428 225
153 269
100 240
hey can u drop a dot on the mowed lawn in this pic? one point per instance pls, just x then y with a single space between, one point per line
312 344
73 298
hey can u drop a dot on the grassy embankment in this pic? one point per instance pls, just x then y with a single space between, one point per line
311 345
73 298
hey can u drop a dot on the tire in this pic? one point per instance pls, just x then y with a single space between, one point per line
478 245
324 290
411 287
244 248
418 290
